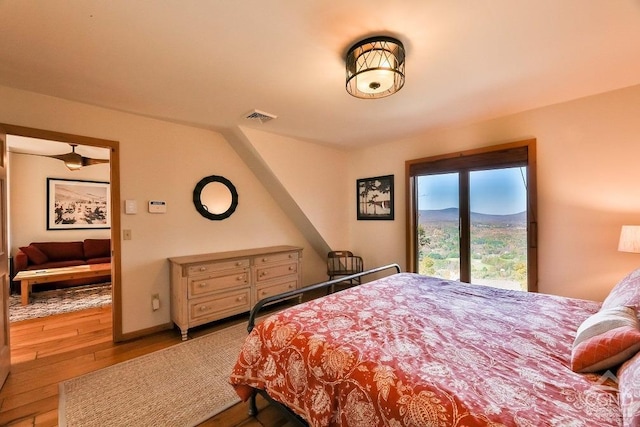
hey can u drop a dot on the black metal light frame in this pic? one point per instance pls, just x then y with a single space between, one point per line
375 67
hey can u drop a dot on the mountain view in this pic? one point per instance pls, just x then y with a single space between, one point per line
498 247
452 214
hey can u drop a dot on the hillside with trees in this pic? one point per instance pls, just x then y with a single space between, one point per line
498 247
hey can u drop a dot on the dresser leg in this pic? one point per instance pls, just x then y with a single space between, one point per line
184 334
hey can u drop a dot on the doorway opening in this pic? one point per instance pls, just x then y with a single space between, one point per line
105 174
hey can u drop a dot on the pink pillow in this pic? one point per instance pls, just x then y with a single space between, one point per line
35 255
625 293
606 339
629 392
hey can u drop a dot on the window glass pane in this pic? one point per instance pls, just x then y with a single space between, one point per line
438 226
498 205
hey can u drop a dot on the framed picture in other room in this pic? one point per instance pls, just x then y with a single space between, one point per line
375 198
75 204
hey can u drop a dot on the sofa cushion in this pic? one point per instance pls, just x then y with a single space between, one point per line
61 251
35 255
57 264
97 248
103 260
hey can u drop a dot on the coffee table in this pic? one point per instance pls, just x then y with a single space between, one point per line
29 278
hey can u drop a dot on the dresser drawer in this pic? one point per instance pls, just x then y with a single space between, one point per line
265 291
268 273
271 258
217 266
219 306
206 285
212 286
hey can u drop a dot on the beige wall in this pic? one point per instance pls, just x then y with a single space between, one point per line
588 177
164 161
28 199
315 176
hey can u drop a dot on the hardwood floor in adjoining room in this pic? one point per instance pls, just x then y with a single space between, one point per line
45 352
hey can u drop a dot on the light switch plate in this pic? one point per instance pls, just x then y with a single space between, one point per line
130 207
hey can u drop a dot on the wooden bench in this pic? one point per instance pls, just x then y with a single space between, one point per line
29 278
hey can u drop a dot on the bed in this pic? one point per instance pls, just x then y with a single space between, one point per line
411 350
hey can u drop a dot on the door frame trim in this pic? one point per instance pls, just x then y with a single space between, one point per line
114 167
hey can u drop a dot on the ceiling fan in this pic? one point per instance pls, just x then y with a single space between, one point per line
73 160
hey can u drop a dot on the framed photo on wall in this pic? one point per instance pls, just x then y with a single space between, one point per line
75 204
375 198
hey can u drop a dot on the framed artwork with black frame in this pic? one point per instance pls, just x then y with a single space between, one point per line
375 198
75 204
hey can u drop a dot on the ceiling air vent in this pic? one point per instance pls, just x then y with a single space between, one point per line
260 116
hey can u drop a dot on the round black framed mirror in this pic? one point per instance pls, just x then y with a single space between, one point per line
215 197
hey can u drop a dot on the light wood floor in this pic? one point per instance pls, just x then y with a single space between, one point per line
46 352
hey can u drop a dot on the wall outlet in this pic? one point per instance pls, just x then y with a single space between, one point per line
155 302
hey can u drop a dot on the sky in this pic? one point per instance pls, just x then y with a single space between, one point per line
493 192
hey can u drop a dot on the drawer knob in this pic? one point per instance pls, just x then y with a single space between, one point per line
203 308
240 298
238 263
290 256
264 293
290 286
264 273
203 284
203 268
240 278
291 268
264 259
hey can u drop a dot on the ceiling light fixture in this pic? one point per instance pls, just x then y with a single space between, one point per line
73 160
375 67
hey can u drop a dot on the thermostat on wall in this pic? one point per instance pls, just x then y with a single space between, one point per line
157 206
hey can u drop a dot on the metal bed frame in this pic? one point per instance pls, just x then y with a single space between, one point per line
253 409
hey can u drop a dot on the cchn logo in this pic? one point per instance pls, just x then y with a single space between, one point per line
608 382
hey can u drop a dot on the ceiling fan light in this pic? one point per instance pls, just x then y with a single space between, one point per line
375 67
73 162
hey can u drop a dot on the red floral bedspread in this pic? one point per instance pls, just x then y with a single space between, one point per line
410 350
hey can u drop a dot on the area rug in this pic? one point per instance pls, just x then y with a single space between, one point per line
182 385
48 303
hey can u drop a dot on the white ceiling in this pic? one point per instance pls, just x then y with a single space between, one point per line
209 62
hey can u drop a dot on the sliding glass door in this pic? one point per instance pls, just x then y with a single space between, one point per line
473 221
498 227
439 225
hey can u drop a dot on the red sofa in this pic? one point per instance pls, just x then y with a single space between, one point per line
43 255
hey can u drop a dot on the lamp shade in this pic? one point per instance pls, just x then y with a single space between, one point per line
375 67
629 239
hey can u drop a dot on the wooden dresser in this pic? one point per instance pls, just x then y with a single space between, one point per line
208 287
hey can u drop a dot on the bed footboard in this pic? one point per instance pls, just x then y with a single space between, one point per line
298 292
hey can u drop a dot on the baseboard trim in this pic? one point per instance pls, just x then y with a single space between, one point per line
144 332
